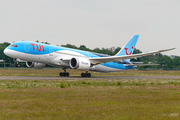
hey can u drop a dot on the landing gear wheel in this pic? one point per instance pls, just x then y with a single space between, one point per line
67 74
17 65
64 74
89 74
85 74
60 74
82 74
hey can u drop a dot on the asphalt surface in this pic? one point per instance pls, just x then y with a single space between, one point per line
84 78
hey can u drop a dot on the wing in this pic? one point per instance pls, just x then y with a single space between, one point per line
101 60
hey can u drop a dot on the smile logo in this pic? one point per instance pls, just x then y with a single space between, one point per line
127 52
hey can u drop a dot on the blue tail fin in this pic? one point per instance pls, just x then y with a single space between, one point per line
129 47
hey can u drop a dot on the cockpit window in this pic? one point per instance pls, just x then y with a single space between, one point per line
12 45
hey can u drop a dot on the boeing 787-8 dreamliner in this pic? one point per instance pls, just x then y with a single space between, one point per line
39 55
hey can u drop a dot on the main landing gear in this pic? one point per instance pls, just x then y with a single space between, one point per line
64 74
86 74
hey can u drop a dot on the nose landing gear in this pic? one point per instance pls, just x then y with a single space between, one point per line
16 62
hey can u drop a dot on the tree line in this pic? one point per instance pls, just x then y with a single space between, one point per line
166 62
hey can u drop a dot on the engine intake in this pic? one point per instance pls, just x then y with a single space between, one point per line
80 63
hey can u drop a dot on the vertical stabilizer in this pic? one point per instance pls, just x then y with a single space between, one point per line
129 47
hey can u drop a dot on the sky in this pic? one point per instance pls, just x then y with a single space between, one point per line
93 23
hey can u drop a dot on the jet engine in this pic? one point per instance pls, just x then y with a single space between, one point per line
79 63
35 65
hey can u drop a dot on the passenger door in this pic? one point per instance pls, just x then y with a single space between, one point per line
27 48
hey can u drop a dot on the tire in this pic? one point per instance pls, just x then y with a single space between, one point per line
67 74
82 74
86 74
89 74
64 74
60 74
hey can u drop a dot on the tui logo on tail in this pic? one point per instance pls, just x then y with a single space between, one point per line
127 52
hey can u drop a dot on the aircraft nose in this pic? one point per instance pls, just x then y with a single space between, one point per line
6 51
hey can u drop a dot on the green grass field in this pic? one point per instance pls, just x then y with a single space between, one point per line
89 99
56 71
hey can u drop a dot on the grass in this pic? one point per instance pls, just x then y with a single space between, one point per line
89 99
55 72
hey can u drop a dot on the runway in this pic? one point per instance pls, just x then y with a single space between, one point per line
84 78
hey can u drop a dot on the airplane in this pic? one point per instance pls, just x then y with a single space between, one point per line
38 55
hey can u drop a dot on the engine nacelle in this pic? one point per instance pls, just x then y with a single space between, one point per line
35 65
80 63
